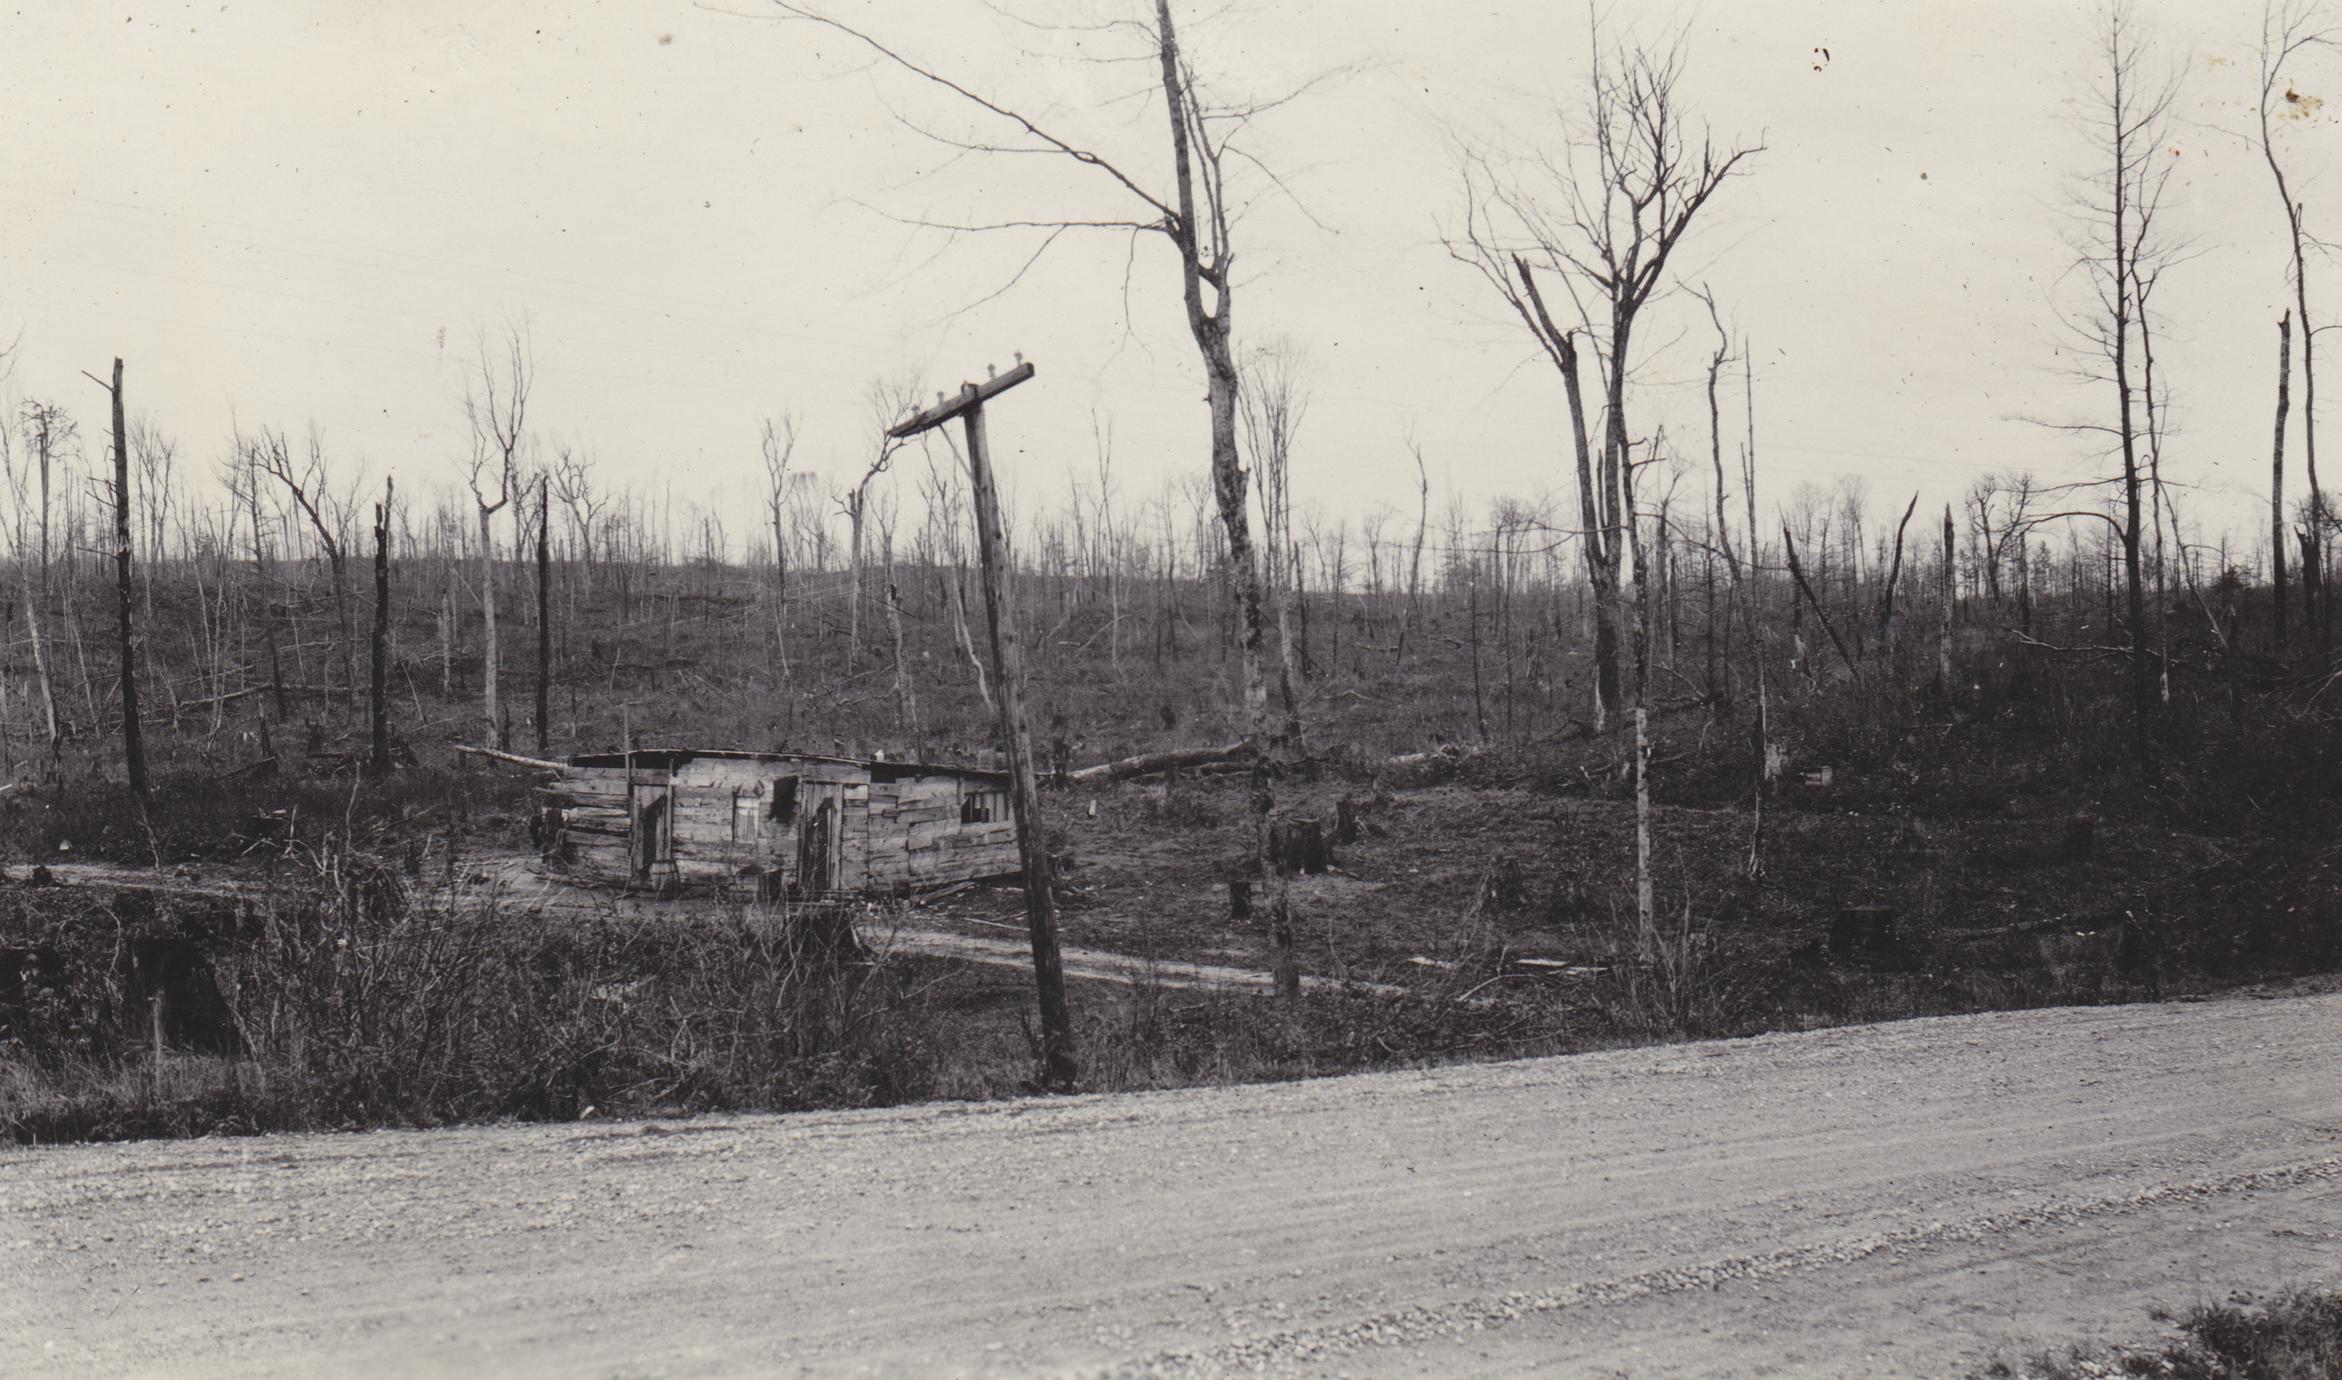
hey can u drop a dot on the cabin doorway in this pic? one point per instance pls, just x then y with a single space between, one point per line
817 849
654 833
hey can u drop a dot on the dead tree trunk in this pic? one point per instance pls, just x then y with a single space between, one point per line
1886 603
1201 234
378 704
133 740
1646 919
544 617
489 707
1763 728
1797 573
1414 559
1147 764
2277 482
1943 645
906 699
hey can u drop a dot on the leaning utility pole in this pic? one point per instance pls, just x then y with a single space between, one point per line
1057 1062
133 743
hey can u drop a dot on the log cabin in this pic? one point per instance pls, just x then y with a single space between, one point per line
781 824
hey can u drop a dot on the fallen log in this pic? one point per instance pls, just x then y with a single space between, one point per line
514 758
1446 752
1148 763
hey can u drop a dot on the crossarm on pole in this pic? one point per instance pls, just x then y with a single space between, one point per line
970 395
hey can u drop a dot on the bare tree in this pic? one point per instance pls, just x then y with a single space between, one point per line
45 427
946 508
2288 29
778 445
496 407
154 457
1109 540
573 488
310 487
1415 555
1603 218
1275 397
2116 248
889 400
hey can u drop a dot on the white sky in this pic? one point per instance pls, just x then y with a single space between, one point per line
283 210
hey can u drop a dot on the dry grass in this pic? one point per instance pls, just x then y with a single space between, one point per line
2294 1336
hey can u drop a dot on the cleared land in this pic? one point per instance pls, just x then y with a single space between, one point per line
1905 1199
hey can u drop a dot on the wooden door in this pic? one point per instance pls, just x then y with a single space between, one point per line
654 830
817 842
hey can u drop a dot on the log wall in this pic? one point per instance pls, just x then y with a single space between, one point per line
893 835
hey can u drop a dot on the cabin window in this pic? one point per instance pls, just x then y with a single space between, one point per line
983 807
784 800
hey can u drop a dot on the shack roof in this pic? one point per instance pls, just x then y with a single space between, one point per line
667 759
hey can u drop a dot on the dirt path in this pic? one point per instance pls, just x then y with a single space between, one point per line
1909 1199
517 883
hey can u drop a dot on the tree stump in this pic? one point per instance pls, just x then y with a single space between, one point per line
1503 886
1299 846
823 932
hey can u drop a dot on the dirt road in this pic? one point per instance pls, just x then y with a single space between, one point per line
515 882
1907 1199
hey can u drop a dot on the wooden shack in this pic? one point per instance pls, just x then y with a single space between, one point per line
784 824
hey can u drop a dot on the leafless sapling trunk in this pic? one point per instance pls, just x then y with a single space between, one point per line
779 446
1414 557
1646 918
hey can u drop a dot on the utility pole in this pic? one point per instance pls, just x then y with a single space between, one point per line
1057 1061
133 742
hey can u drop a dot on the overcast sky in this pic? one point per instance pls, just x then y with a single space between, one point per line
280 210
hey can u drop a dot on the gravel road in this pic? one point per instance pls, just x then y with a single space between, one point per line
1911 1199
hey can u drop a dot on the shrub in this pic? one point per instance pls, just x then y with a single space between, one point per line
351 1002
